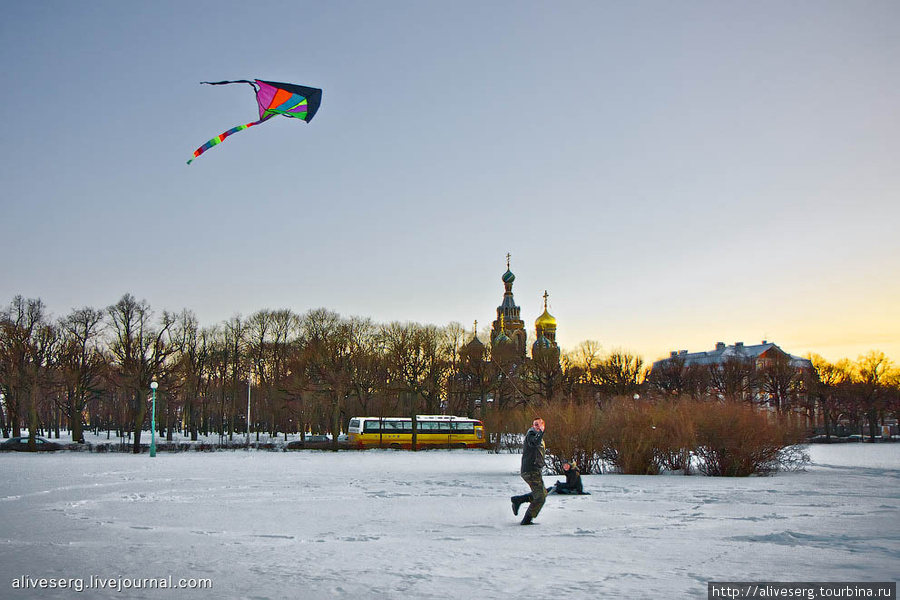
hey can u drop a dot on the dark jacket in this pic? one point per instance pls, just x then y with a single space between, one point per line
533 451
573 481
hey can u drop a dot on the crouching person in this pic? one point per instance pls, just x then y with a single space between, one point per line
572 484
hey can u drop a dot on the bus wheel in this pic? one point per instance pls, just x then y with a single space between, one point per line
395 447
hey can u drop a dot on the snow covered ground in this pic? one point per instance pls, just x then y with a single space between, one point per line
436 524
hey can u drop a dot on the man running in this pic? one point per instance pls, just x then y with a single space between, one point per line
532 465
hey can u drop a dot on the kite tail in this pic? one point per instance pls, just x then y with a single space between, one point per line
221 137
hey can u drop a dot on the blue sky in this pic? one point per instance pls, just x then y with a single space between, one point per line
675 174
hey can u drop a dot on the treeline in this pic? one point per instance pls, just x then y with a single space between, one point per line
311 372
863 394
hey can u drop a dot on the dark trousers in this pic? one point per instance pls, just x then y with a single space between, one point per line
538 492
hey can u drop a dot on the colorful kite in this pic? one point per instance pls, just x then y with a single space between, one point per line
296 101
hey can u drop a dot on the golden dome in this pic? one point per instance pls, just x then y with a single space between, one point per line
545 321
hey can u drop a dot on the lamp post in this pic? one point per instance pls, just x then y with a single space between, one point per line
249 383
153 386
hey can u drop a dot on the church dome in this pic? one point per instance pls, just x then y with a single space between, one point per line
475 346
545 321
474 350
541 343
508 277
501 338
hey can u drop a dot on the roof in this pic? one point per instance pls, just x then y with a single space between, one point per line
723 353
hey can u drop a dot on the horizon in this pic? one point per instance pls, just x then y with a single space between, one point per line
484 328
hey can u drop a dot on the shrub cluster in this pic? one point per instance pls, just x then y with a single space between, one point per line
641 437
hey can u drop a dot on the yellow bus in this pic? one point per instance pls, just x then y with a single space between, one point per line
432 431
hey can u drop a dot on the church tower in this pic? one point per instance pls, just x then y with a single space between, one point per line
545 327
509 321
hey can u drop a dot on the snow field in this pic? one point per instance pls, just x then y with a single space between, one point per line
435 524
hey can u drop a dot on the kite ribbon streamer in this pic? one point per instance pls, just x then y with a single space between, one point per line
221 137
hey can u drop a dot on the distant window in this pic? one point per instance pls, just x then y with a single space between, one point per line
372 426
354 424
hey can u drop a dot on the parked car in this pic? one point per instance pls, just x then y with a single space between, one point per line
20 444
311 441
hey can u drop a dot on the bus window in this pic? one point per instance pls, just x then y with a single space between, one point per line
372 427
464 427
354 425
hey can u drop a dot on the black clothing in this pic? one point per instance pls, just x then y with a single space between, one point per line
532 467
533 451
572 484
573 481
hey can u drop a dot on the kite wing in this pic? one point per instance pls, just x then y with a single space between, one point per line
286 99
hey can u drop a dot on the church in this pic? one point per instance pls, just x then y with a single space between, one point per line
509 338
503 372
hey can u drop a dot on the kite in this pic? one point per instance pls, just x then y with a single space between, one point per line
295 101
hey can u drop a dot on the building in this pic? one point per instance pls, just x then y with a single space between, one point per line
761 355
484 374
762 373
508 336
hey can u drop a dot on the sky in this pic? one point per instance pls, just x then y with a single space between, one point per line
673 174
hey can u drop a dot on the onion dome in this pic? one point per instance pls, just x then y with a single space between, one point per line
475 343
474 347
545 321
541 343
508 277
501 338
473 351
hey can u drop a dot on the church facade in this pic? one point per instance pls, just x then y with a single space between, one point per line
485 370
509 338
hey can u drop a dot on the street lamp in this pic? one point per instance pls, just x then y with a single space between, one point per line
249 383
153 386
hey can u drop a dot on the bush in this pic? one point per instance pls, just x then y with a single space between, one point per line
645 437
630 439
572 435
675 434
735 440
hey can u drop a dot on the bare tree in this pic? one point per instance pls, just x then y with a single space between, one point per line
871 376
733 378
81 364
781 380
622 373
27 342
139 348
828 386
328 338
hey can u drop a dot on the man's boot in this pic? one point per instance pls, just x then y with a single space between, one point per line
527 519
518 501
